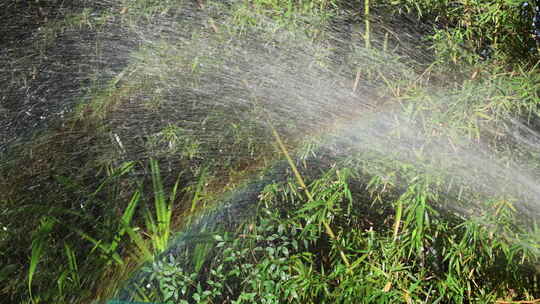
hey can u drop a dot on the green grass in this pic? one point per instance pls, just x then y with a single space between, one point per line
130 167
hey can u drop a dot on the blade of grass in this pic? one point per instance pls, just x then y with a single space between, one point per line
38 243
72 263
126 219
198 190
145 253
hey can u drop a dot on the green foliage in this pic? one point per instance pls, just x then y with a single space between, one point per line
387 216
86 253
286 14
157 223
282 258
173 139
468 28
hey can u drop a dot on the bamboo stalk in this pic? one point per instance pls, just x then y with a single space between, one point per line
366 16
356 81
518 302
399 213
300 181
302 184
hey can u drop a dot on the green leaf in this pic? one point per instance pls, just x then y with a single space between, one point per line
38 242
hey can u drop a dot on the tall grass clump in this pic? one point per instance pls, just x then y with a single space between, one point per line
93 253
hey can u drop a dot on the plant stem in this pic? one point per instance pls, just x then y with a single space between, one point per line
300 181
366 15
302 184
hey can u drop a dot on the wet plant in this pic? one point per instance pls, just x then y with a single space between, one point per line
474 31
277 257
407 184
